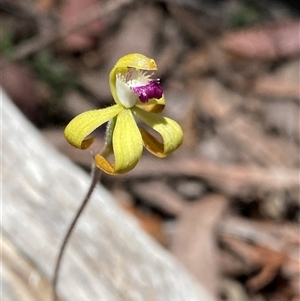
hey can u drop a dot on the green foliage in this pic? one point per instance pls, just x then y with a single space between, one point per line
7 43
55 73
246 16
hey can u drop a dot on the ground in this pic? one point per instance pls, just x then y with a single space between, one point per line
226 204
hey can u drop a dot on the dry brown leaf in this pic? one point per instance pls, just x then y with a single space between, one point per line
19 83
271 263
238 258
158 194
151 223
73 10
45 5
275 88
270 43
137 34
195 239
248 140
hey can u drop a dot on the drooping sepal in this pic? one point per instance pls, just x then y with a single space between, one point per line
169 130
84 124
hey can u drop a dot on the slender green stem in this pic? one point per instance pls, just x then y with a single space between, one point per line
95 179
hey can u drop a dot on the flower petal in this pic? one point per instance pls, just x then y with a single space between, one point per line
152 89
153 105
133 60
152 144
170 131
82 125
126 96
137 61
104 164
127 145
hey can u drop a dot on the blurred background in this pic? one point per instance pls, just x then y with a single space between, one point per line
226 204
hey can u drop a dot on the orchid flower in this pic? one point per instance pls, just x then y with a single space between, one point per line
135 94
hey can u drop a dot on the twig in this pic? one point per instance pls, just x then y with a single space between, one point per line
229 177
38 42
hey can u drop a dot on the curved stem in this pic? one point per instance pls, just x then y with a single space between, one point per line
95 179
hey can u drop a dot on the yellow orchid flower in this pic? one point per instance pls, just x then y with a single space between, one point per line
135 94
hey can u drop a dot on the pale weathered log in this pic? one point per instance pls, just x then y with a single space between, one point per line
109 258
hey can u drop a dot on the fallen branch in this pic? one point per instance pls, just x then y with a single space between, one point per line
231 178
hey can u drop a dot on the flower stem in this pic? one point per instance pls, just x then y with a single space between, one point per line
96 173
95 178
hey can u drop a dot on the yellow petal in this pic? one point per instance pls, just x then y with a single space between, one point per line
136 60
127 145
84 124
154 105
133 60
170 131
